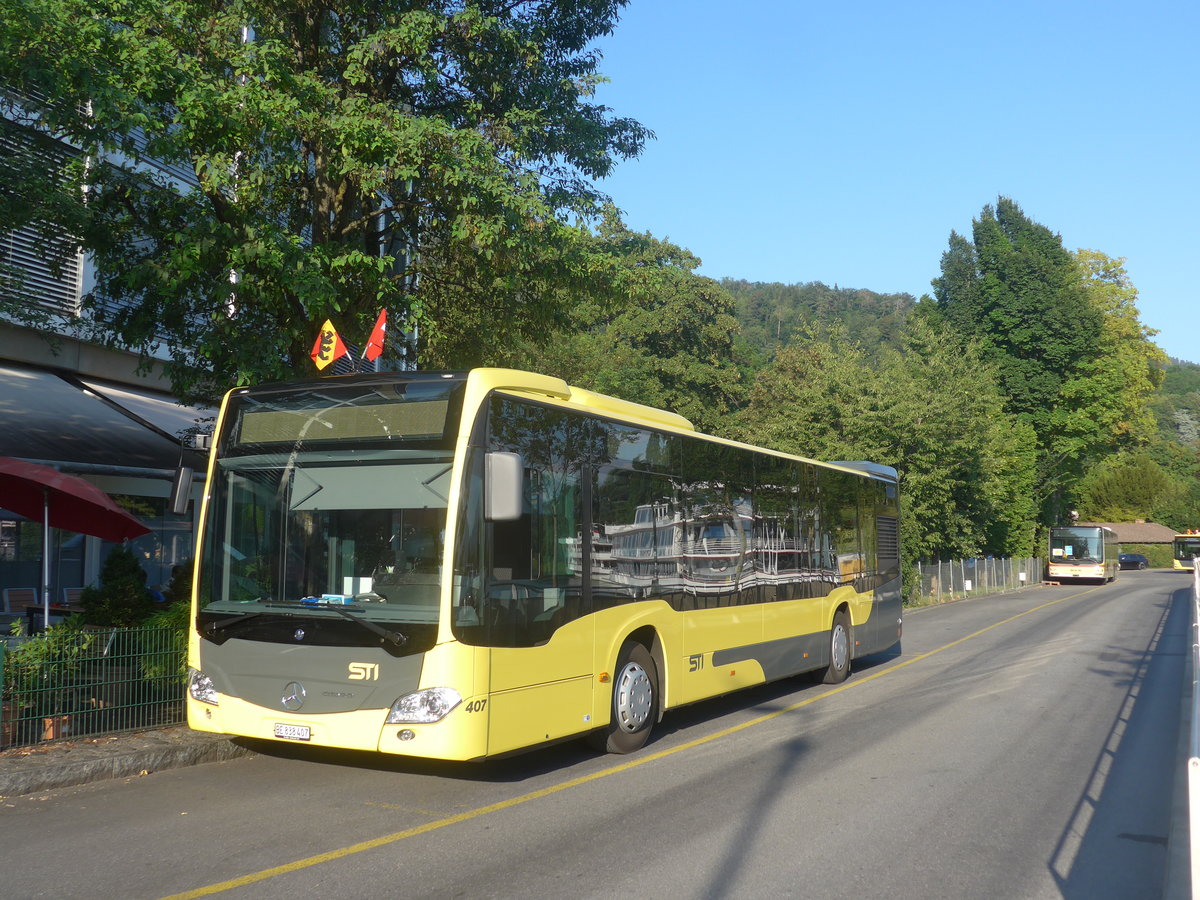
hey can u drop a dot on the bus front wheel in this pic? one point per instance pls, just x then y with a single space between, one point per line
840 644
635 701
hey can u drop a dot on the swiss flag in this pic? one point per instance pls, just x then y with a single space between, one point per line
378 334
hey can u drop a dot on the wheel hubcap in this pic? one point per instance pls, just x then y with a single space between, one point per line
635 697
840 647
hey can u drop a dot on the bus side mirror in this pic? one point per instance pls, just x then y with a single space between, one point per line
503 487
181 489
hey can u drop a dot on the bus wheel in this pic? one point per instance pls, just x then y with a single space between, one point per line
634 701
839 650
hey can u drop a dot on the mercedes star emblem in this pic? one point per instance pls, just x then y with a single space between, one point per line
293 695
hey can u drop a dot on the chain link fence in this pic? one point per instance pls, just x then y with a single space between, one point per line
955 579
68 683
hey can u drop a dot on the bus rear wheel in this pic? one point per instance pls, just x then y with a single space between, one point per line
635 700
839 650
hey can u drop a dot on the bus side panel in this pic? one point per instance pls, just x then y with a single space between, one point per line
885 623
614 625
557 704
803 625
801 632
709 630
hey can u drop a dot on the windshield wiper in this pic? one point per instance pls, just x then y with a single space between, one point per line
213 629
395 638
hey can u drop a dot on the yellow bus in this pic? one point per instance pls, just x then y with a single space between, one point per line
461 565
1184 548
1083 553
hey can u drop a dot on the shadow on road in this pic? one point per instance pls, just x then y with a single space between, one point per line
1114 844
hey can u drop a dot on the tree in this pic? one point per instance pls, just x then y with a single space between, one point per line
770 313
810 400
669 341
1073 359
1125 488
1017 290
414 156
121 599
931 409
1177 403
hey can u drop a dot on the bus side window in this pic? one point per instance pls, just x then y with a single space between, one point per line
534 559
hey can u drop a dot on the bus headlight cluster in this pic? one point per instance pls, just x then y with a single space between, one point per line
423 707
201 687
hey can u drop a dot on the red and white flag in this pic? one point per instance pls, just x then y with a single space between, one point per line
378 334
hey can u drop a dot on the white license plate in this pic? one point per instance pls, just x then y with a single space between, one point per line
293 732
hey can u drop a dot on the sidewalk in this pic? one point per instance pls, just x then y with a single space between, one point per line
44 767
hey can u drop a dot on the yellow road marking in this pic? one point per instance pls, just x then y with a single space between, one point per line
640 760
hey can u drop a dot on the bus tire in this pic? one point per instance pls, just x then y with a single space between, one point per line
840 644
635 701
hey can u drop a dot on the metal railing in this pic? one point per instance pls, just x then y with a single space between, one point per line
69 683
955 579
1193 764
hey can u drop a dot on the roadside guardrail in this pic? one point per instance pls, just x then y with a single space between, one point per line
1193 766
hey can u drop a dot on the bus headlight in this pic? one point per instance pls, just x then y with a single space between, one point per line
201 687
423 707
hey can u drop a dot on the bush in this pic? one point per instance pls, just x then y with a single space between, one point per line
36 668
1159 555
165 655
122 598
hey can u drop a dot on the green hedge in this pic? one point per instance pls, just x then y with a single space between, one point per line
1158 554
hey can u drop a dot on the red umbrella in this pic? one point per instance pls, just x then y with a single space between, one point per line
62 501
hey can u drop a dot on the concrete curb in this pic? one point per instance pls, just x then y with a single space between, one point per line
1178 882
71 763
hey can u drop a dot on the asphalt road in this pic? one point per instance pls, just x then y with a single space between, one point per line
1021 746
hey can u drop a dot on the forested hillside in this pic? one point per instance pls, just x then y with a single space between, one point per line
772 314
1177 405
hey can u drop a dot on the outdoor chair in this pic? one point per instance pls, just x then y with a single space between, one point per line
18 598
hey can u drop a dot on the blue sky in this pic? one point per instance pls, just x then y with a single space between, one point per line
802 141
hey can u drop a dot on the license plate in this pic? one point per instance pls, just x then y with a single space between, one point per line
293 732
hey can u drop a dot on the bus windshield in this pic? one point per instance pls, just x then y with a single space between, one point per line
1187 547
1076 545
329 506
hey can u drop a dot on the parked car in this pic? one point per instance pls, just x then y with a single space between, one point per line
1133 561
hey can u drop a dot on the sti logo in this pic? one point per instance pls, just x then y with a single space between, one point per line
364 671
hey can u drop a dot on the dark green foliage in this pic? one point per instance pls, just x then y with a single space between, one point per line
179 589
1018 291
1125 489
434 158
932 410
50 657
1177 406
770 315
670 341
1158 555
1181 378
121 599
164 654
1181 510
